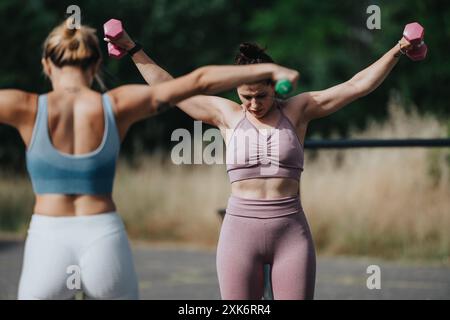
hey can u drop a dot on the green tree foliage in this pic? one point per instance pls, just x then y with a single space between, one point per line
180 35
327 41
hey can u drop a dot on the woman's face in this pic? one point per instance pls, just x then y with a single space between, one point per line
257 98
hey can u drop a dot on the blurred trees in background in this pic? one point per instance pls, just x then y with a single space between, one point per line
327 41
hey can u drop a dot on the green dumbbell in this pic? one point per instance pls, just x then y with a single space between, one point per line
283 87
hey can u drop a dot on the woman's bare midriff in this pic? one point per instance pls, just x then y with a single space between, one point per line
57 205
265 188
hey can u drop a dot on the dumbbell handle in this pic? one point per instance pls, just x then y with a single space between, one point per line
420 44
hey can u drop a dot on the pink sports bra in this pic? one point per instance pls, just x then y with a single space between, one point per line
264 153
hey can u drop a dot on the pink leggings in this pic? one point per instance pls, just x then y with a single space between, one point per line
259 232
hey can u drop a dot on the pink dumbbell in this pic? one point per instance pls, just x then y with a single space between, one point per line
415 33
113 30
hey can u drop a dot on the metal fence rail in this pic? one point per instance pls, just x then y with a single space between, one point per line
377 143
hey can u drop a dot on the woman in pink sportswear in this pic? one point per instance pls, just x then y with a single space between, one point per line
264 221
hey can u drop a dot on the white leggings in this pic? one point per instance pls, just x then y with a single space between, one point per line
65 255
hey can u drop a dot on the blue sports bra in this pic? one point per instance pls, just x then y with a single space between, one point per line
52 171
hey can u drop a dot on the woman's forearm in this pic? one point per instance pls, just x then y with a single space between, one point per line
370 78
150 71
214 79
211 79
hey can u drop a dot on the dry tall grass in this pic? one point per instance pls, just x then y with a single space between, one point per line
392 203
16 203
163 201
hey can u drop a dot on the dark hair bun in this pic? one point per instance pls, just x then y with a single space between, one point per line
250 50
250 53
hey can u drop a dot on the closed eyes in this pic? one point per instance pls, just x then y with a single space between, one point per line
260 96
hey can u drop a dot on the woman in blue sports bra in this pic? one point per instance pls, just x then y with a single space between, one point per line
76 239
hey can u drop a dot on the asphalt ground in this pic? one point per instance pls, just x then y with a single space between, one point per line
174 272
